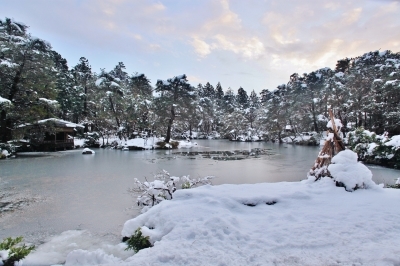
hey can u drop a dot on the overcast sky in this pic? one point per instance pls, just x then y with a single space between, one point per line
255 44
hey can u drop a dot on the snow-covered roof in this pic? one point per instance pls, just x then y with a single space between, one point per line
60 122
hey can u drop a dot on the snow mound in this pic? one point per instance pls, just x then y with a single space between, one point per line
82 257
347 171
235 225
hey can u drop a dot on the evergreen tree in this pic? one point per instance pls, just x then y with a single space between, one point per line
175 99
242 98
219 93
27 77
82 73
208 91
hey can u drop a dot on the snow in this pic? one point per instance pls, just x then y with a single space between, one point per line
88 151
285 223
390 82
338 123
377 80
4 254
383 53
339 74
49 102
371 148
99 82
69 246
4 100
82 257
114 84
394 141
60 121
312 223
346 169
8 63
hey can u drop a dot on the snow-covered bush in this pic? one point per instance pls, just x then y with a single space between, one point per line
165 145
92 139
137 241
162 187
377 149
11 251
347 172
360 139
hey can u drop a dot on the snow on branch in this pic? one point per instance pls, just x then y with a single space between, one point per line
162 187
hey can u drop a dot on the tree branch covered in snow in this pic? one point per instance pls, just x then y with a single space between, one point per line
163 186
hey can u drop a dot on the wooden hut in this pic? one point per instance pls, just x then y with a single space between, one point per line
51 134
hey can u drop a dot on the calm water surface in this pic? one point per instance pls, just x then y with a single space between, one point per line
67 190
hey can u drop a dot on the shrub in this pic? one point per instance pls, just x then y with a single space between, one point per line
165 145
11 253
162 187
137 241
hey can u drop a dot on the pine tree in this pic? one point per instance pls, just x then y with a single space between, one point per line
175 99
27 74
242 98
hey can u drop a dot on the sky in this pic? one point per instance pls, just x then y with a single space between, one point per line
254 44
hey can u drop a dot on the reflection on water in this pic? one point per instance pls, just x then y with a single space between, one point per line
67 190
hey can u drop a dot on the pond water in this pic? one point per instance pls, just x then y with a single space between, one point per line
45 194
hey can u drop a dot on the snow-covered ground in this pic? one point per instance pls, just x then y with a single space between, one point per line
144 143
286 223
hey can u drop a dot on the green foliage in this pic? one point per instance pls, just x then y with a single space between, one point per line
16 253
186 185
360 135
137 241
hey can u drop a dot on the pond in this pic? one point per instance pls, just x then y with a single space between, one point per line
44 194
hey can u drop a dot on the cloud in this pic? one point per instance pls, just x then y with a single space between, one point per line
201 47
271 39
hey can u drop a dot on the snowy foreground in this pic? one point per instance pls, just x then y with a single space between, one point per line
311 223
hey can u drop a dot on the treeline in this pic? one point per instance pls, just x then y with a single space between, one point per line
37 83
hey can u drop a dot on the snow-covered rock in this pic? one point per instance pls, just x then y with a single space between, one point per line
87 151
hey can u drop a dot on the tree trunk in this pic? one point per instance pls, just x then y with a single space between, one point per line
115 113
170 122
314 118
3 126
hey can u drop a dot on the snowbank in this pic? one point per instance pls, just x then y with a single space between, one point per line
301 223
286 223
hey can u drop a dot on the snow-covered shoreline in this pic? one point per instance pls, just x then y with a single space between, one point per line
312 223
284 223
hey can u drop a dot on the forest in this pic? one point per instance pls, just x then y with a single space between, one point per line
37 83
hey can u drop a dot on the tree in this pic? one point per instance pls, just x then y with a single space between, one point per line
219 93
208 91
82 73
242 98
27 75
176 96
